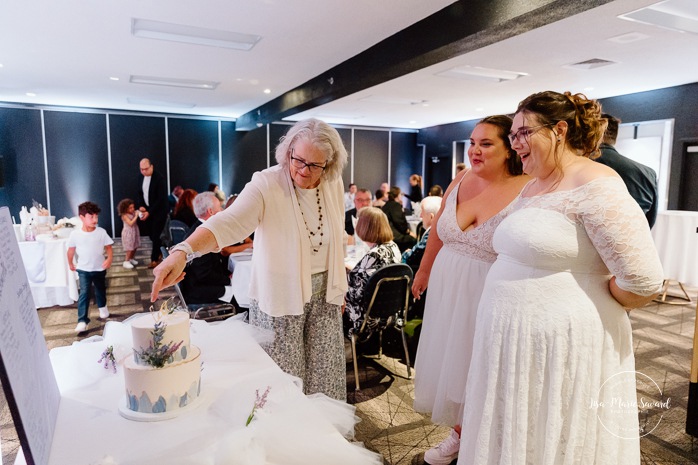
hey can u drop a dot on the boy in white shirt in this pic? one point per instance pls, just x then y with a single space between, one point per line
90 243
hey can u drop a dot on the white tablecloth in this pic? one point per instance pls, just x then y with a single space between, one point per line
290 429
240 265
51 281
676 237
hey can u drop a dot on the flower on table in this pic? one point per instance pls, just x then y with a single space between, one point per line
259 403
108 358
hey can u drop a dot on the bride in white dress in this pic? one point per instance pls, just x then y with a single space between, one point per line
551 380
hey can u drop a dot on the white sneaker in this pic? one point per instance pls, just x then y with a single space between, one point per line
81 327
444 453
128 265
103 312
133 261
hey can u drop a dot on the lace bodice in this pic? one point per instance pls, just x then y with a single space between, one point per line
475 242
595 228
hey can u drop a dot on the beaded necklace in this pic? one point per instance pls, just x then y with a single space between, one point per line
312 234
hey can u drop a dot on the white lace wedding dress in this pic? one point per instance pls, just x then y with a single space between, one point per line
549 382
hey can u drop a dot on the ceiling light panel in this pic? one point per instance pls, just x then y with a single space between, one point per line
172 82
680 15
481 74
159 103
148 29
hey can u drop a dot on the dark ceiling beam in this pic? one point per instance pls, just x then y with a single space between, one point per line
461 27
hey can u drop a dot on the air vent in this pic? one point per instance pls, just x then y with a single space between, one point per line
590 64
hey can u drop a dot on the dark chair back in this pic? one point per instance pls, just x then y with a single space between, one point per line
386 299
178 231
208 312
387 294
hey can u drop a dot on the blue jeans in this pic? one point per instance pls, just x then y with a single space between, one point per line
87 278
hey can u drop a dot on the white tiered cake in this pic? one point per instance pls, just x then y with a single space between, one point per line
164 373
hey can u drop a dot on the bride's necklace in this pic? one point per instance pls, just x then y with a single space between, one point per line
312 234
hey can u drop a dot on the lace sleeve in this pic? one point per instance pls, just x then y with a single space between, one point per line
619 231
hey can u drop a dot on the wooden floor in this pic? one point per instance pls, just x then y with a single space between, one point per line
663 336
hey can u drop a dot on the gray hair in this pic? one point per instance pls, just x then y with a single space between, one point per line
320 135
204 201
431 204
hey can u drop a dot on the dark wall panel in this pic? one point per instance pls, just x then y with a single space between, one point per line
405 159
371 158
193 153
276 131
22 155
78 164
251 156
133 138
229 139
345 135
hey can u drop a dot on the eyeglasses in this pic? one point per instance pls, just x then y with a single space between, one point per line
300 164
525 132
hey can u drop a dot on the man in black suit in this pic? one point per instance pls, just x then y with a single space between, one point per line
207 278
153 204
362 198
640 180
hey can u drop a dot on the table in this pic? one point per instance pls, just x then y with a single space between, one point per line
240 264
50 279
291 428
413 221
675 235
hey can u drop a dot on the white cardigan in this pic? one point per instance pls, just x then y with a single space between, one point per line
267 206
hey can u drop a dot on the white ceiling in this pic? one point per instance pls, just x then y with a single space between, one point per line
66 51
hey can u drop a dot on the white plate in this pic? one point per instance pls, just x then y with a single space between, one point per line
141 416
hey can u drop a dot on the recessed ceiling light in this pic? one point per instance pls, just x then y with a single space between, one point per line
267 91
30 94
413 122
628 38
114 78
160 103
392 100
588 89
192 35
481 74
161 81
479 109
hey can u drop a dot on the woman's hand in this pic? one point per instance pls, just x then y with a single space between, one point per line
168 273
627 299
419 285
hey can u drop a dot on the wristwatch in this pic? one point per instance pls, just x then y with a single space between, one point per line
188 251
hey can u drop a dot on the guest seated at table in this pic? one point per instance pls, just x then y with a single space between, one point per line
372 227
362 198
430 207
404 237
207 278
381 198
184 209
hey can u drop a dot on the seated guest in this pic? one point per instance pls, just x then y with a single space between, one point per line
184 209
372 227
402 234
430 206
207 278
381 198
436 191
174 196
362 198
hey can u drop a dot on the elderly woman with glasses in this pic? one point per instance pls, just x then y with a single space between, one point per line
296 210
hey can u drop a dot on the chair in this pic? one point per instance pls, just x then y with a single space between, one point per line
178 230
208 312
385 300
